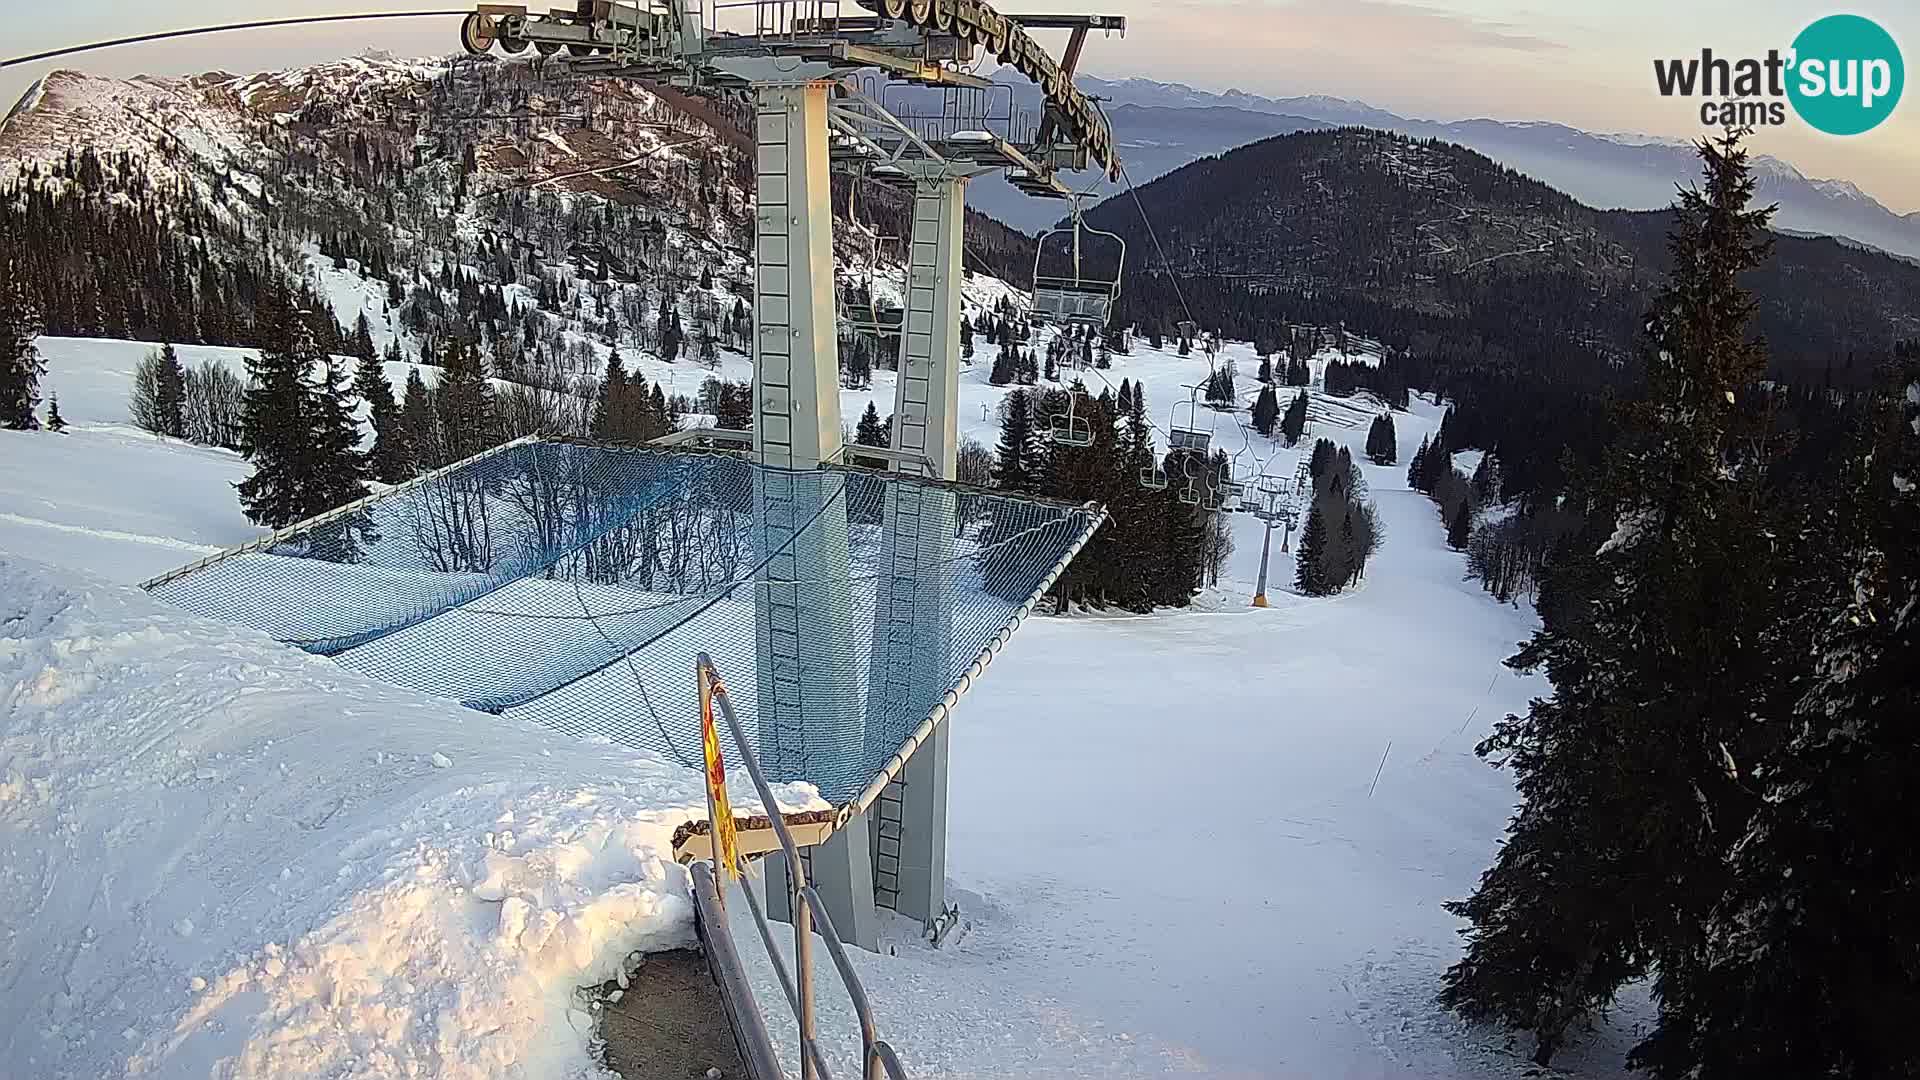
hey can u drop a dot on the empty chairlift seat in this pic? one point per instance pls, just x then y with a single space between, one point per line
1071 285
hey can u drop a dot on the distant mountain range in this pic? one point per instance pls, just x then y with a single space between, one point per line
1431 245
1161 126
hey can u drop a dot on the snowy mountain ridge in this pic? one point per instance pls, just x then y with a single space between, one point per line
476 196
1616 170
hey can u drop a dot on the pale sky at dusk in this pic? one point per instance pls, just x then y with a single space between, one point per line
1588 65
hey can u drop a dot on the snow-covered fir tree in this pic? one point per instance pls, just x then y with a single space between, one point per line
299 431
1617 853
1808 960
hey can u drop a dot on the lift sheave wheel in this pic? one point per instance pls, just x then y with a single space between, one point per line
478 33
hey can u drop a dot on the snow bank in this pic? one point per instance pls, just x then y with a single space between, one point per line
221 857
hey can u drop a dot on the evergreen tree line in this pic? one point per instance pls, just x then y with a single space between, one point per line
1269 419
1718 792
119 255
1458 497
1290 371
1156 550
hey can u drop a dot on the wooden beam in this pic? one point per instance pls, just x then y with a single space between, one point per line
753 833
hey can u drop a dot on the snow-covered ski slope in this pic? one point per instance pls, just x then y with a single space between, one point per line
1166 834
222 857
1168 840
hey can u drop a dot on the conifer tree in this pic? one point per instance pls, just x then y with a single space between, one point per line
666 412
1343 554
1486 480
1017 457
1435 467
274 428
1310 556
1006 367
1294 424
55 422
362 343
1809 968
869 432
1461 527
388 462
1617 853
339 469
170 394
612 411
463 402
1381 448
1266 410
1178 557
1136 509
1321 462
1417 466
670 333
416 425
300 433
20 363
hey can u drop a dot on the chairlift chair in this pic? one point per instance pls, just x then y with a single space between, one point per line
1188 436
874 318
1071 429
1080 298
1153 478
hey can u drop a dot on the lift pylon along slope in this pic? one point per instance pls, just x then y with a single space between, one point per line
799 60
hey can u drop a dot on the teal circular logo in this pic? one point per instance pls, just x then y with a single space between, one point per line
1847 75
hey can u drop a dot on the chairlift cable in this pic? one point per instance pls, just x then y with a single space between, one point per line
1165 263
257 24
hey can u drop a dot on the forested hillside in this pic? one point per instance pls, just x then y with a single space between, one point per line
1439 250
482 199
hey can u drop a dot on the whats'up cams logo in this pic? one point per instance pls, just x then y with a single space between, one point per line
1843 75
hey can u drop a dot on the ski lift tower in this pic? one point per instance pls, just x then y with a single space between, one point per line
793 59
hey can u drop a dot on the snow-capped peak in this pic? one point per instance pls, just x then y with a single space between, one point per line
1840 189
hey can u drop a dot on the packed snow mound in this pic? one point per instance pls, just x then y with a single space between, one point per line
221 857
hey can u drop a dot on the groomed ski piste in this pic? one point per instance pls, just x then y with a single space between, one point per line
1172 855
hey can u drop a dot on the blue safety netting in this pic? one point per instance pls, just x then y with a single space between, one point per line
573 584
